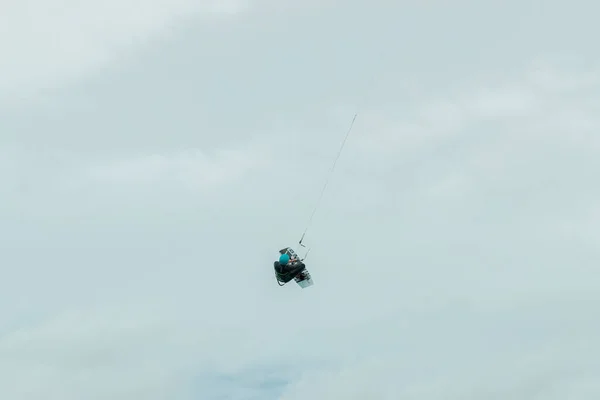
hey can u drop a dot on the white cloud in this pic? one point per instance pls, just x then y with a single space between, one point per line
487 133
468 208
46 44
116 353
191 168
535 98
567 369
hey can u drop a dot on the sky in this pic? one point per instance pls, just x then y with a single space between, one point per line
156 155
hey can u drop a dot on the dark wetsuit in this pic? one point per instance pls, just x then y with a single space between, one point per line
286 273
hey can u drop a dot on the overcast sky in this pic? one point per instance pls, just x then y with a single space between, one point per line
156 155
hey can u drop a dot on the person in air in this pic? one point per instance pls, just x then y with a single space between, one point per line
286 269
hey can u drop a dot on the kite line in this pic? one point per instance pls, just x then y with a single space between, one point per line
327 181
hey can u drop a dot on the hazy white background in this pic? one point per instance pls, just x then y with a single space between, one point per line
155 155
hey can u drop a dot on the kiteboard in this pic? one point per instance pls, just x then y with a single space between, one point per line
303 279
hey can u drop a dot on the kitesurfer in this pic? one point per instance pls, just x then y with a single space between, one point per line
287 268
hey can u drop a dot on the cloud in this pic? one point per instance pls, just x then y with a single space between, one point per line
536 97
525 350
46 44
191 168
552 373
427 257
453 254
95 353
53 184
485 202
488 132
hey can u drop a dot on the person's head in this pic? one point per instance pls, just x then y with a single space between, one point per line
284 259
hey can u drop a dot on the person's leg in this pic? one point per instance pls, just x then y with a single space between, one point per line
297 268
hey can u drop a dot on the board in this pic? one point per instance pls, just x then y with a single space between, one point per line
303 279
